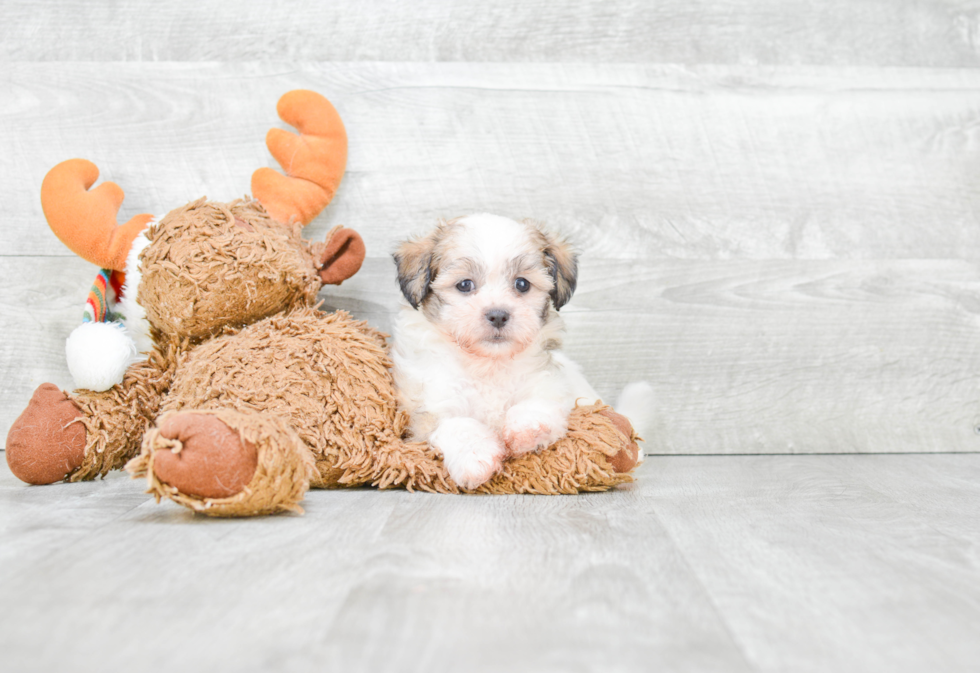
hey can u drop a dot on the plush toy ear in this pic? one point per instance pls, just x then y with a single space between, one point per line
85 220
416 264
562 262
341 256
313 161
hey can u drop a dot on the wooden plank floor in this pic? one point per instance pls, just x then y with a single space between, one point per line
712 563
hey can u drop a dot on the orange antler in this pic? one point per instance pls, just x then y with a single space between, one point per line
314 161
85 220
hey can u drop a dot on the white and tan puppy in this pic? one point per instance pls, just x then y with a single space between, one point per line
477 353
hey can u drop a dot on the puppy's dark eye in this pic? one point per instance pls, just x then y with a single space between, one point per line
522 285
465 286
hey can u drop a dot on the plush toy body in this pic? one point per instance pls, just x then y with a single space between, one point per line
248 395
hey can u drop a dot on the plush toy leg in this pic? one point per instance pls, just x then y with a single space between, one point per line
225 463
410 465
116 419
598 452
47 442
629 455
84 435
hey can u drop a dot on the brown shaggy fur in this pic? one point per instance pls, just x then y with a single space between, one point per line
214 265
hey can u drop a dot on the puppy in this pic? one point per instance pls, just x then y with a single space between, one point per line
477 353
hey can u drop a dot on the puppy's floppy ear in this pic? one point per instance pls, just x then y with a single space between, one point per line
562 262
415 260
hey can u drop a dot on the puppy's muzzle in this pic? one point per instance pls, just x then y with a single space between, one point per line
497 317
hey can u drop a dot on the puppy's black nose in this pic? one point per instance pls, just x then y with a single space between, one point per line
497 317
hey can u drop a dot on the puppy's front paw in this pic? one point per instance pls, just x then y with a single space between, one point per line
471 452
533 425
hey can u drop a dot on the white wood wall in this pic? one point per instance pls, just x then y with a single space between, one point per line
777 201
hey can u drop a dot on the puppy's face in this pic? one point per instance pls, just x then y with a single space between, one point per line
487 282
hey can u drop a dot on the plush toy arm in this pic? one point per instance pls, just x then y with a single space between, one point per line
85 220
313 161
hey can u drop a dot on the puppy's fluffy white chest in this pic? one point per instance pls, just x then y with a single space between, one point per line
435 379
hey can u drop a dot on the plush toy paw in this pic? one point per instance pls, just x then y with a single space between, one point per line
629 455
46 443
471 452
533 425
207 458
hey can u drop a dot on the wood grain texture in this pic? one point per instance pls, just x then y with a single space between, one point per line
366 581
833 32
637 162
824 356
757 357
750 356
877 555
772 563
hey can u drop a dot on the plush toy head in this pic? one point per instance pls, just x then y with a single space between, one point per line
248 257
246 266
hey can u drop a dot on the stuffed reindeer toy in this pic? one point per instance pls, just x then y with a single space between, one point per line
222 384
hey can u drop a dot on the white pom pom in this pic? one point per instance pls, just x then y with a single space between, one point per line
99 354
